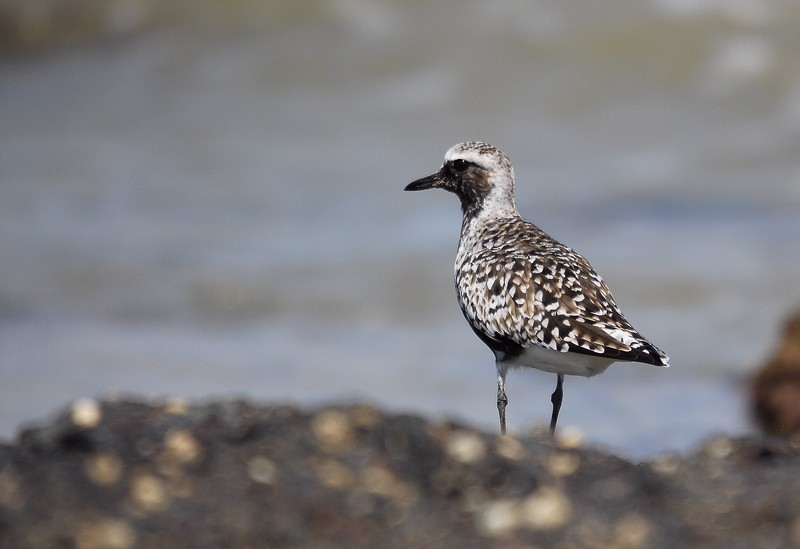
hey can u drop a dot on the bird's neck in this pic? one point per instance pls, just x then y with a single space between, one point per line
486 218
494 206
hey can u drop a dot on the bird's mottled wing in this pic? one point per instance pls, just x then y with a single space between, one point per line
533 290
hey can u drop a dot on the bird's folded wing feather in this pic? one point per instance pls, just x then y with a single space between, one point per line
557 302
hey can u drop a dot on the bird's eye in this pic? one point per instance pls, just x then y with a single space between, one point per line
460 165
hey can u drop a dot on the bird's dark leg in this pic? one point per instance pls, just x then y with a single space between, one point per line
556 398
502 400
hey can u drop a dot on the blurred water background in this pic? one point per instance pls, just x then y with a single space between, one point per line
205 199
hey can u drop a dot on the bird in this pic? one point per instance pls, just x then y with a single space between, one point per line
535 302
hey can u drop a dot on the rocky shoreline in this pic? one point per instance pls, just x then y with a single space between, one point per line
123 474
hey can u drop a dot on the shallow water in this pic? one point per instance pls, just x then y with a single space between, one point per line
217 212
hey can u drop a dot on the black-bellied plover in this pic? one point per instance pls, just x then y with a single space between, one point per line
535 302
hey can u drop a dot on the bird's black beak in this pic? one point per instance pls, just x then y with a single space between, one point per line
430 182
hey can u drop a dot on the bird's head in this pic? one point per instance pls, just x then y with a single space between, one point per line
479 174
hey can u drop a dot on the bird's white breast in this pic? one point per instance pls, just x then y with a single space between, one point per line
571 364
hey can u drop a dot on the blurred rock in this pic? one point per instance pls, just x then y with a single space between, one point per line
776 387
232 474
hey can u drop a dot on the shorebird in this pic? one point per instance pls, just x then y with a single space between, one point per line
533 301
